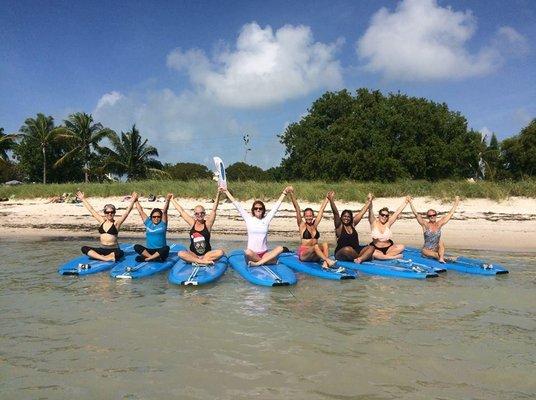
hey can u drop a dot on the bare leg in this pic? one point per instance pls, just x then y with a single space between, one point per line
346 254
93 254
441 252
309 254
365 254
151 256
268 258
191 257
430 253
210 256
251 256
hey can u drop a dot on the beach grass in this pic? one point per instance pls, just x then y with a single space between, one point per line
305 190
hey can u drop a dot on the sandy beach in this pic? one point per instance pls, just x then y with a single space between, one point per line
477 224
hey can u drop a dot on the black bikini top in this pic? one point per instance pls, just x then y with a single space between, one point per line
307 234
111 231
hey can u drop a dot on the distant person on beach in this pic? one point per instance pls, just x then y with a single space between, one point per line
310 249
108 230
348 248
433 245
257 224
155 233
200 251
380 230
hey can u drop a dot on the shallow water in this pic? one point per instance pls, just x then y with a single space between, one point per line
457 336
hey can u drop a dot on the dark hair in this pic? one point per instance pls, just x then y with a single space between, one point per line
384 209
349 213
156 210
261 204
308 209
108 206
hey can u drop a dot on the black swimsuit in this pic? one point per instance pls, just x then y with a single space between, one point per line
111 231
104 251
307 234
348 240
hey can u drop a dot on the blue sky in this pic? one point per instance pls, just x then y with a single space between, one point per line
196 76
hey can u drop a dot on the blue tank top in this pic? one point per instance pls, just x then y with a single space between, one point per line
155 234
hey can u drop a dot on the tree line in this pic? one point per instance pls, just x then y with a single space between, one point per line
367 136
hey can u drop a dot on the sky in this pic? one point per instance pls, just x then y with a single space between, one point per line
195 76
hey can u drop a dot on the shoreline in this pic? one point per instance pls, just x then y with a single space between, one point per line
478 224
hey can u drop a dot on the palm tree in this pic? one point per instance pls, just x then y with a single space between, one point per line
84 136
42 130
131 155
7 142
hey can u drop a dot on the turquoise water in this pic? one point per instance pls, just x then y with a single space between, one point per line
457 336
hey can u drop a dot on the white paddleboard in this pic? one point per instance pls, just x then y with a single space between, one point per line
220 172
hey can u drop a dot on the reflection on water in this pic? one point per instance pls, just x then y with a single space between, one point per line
458 336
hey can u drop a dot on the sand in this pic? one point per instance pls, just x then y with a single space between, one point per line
509 225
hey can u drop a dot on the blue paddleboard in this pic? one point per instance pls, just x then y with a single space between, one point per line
84 265
462 264
129 268
184 273
264 275
312 268
392 268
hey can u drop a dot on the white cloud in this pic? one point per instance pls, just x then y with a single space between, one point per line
422 41
265 68
109 99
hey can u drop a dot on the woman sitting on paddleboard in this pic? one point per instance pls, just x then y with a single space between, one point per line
108 229
310 249
348 248
155 233
433 245
257 224
200 251
382 237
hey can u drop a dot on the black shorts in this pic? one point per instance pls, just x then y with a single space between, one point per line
104 251
383 249
163 251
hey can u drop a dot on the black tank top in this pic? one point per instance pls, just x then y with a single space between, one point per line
307 234
348 239
200 240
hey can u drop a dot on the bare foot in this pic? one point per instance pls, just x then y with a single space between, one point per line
358 260
442 261
325 265
330 262
399 256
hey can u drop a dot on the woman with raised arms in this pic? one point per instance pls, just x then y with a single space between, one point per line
433 245
200 251
380 230
310 249
108 230
155 233
348 248
257 224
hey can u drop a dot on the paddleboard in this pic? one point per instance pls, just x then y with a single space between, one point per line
129 268
264 275
84 265
312 268
220 172
187 274
462 264
392 268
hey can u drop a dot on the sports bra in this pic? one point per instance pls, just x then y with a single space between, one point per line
111 231
381 236
307 234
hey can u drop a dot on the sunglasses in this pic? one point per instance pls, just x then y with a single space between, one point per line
199 214
156 216
109 212
431 215
258 208
384 215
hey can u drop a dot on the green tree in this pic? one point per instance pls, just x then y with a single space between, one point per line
7 142
370 136
41 130
492 159
187 171
240 171
131 156
83 136
518 152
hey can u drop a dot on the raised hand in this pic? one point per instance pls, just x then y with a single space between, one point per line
134 197
80 195
330 195
370 197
